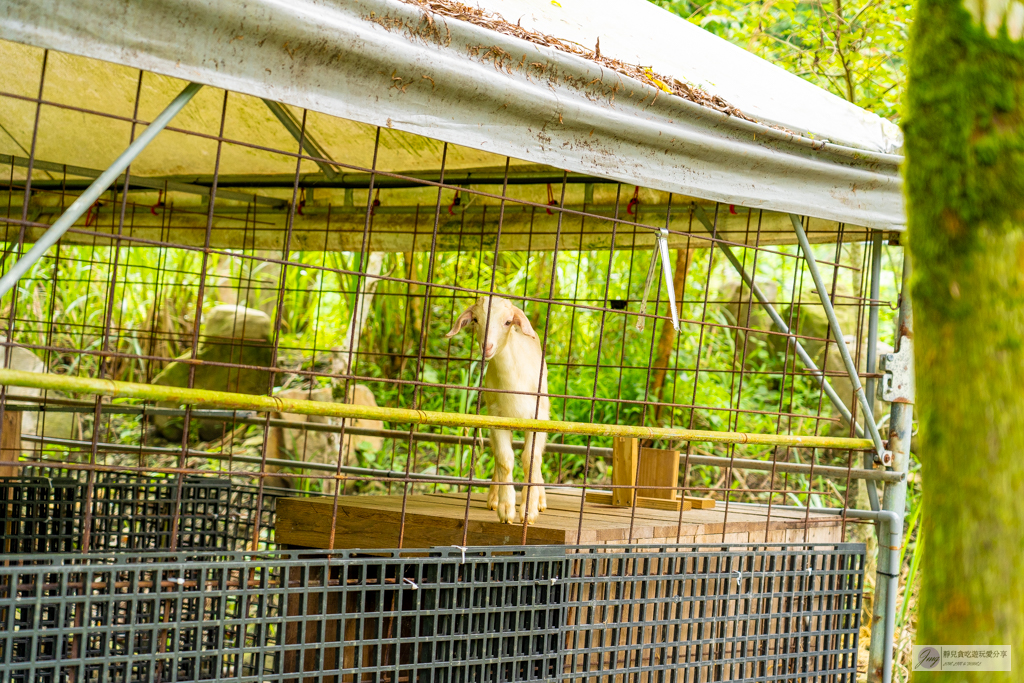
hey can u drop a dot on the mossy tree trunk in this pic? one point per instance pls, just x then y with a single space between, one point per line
965 188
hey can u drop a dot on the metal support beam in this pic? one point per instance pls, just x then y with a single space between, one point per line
876 281
801 353
249 417
833 321
302 137
98 187
134 182
894 501
234 401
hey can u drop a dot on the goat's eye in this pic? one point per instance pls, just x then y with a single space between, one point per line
507 323
474 320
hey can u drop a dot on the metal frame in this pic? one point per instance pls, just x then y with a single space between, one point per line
97 188
643 234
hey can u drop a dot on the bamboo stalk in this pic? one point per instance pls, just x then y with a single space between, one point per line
232 401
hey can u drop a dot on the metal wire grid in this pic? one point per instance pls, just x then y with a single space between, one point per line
105 343
487 615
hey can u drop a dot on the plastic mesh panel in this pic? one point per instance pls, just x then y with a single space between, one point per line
720 613
130 512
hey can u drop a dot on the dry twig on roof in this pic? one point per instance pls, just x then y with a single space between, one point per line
644 74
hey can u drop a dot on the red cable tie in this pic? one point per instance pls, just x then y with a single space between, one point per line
634 202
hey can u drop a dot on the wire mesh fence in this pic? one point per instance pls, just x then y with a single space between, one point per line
230 258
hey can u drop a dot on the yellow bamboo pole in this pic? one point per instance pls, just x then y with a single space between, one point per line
231 401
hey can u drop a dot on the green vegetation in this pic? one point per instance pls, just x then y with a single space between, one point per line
855 50
156 293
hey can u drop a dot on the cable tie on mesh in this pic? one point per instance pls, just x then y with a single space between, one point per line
179 580
891 576
463 549
739 579
411 583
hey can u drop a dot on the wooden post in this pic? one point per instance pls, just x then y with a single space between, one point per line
658 467
10 443
625 456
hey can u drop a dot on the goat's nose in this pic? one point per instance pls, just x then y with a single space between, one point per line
489 349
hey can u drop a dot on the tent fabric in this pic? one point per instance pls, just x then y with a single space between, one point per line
392 64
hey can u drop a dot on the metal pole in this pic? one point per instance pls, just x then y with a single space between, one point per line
851 367
801 353
894 500
876 281
302 137
97 188
226 400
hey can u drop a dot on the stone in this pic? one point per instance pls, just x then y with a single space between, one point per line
232 335
744 310
319 447
26 361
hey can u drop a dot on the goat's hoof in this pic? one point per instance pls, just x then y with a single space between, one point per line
506 512
529 515
492 498
542 500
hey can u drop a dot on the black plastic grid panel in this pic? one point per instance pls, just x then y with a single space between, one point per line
597 613
410 616
715 613
134 512
37 515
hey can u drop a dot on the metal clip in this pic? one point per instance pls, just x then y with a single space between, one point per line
897 385
661 240
463 549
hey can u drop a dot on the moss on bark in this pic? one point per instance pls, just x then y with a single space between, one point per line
965 189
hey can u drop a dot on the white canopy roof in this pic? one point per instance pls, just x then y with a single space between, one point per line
394 64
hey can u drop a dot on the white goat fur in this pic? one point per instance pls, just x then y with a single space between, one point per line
515 363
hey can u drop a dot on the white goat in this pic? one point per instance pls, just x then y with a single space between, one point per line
515 363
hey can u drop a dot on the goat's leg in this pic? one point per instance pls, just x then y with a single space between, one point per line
534 498
503 498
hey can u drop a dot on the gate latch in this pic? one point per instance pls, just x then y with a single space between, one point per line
897 385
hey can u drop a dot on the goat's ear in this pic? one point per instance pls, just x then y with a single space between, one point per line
519 318
463 320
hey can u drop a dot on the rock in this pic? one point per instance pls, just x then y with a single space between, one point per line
231 334
26 361
744 310
320 447
252 284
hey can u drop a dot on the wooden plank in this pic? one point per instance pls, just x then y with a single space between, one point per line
440 520
658 467
306 522
700 503
598 498
624 461
10 443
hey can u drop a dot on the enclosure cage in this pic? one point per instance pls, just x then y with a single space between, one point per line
238 444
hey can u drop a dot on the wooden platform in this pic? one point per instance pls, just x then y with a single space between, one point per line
439 520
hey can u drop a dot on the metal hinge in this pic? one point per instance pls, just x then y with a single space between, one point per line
897 370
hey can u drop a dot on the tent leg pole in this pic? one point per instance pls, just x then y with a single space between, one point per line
779 323
93 192
851 367
894 500
876 279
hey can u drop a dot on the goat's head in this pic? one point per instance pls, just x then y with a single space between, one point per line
493 320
